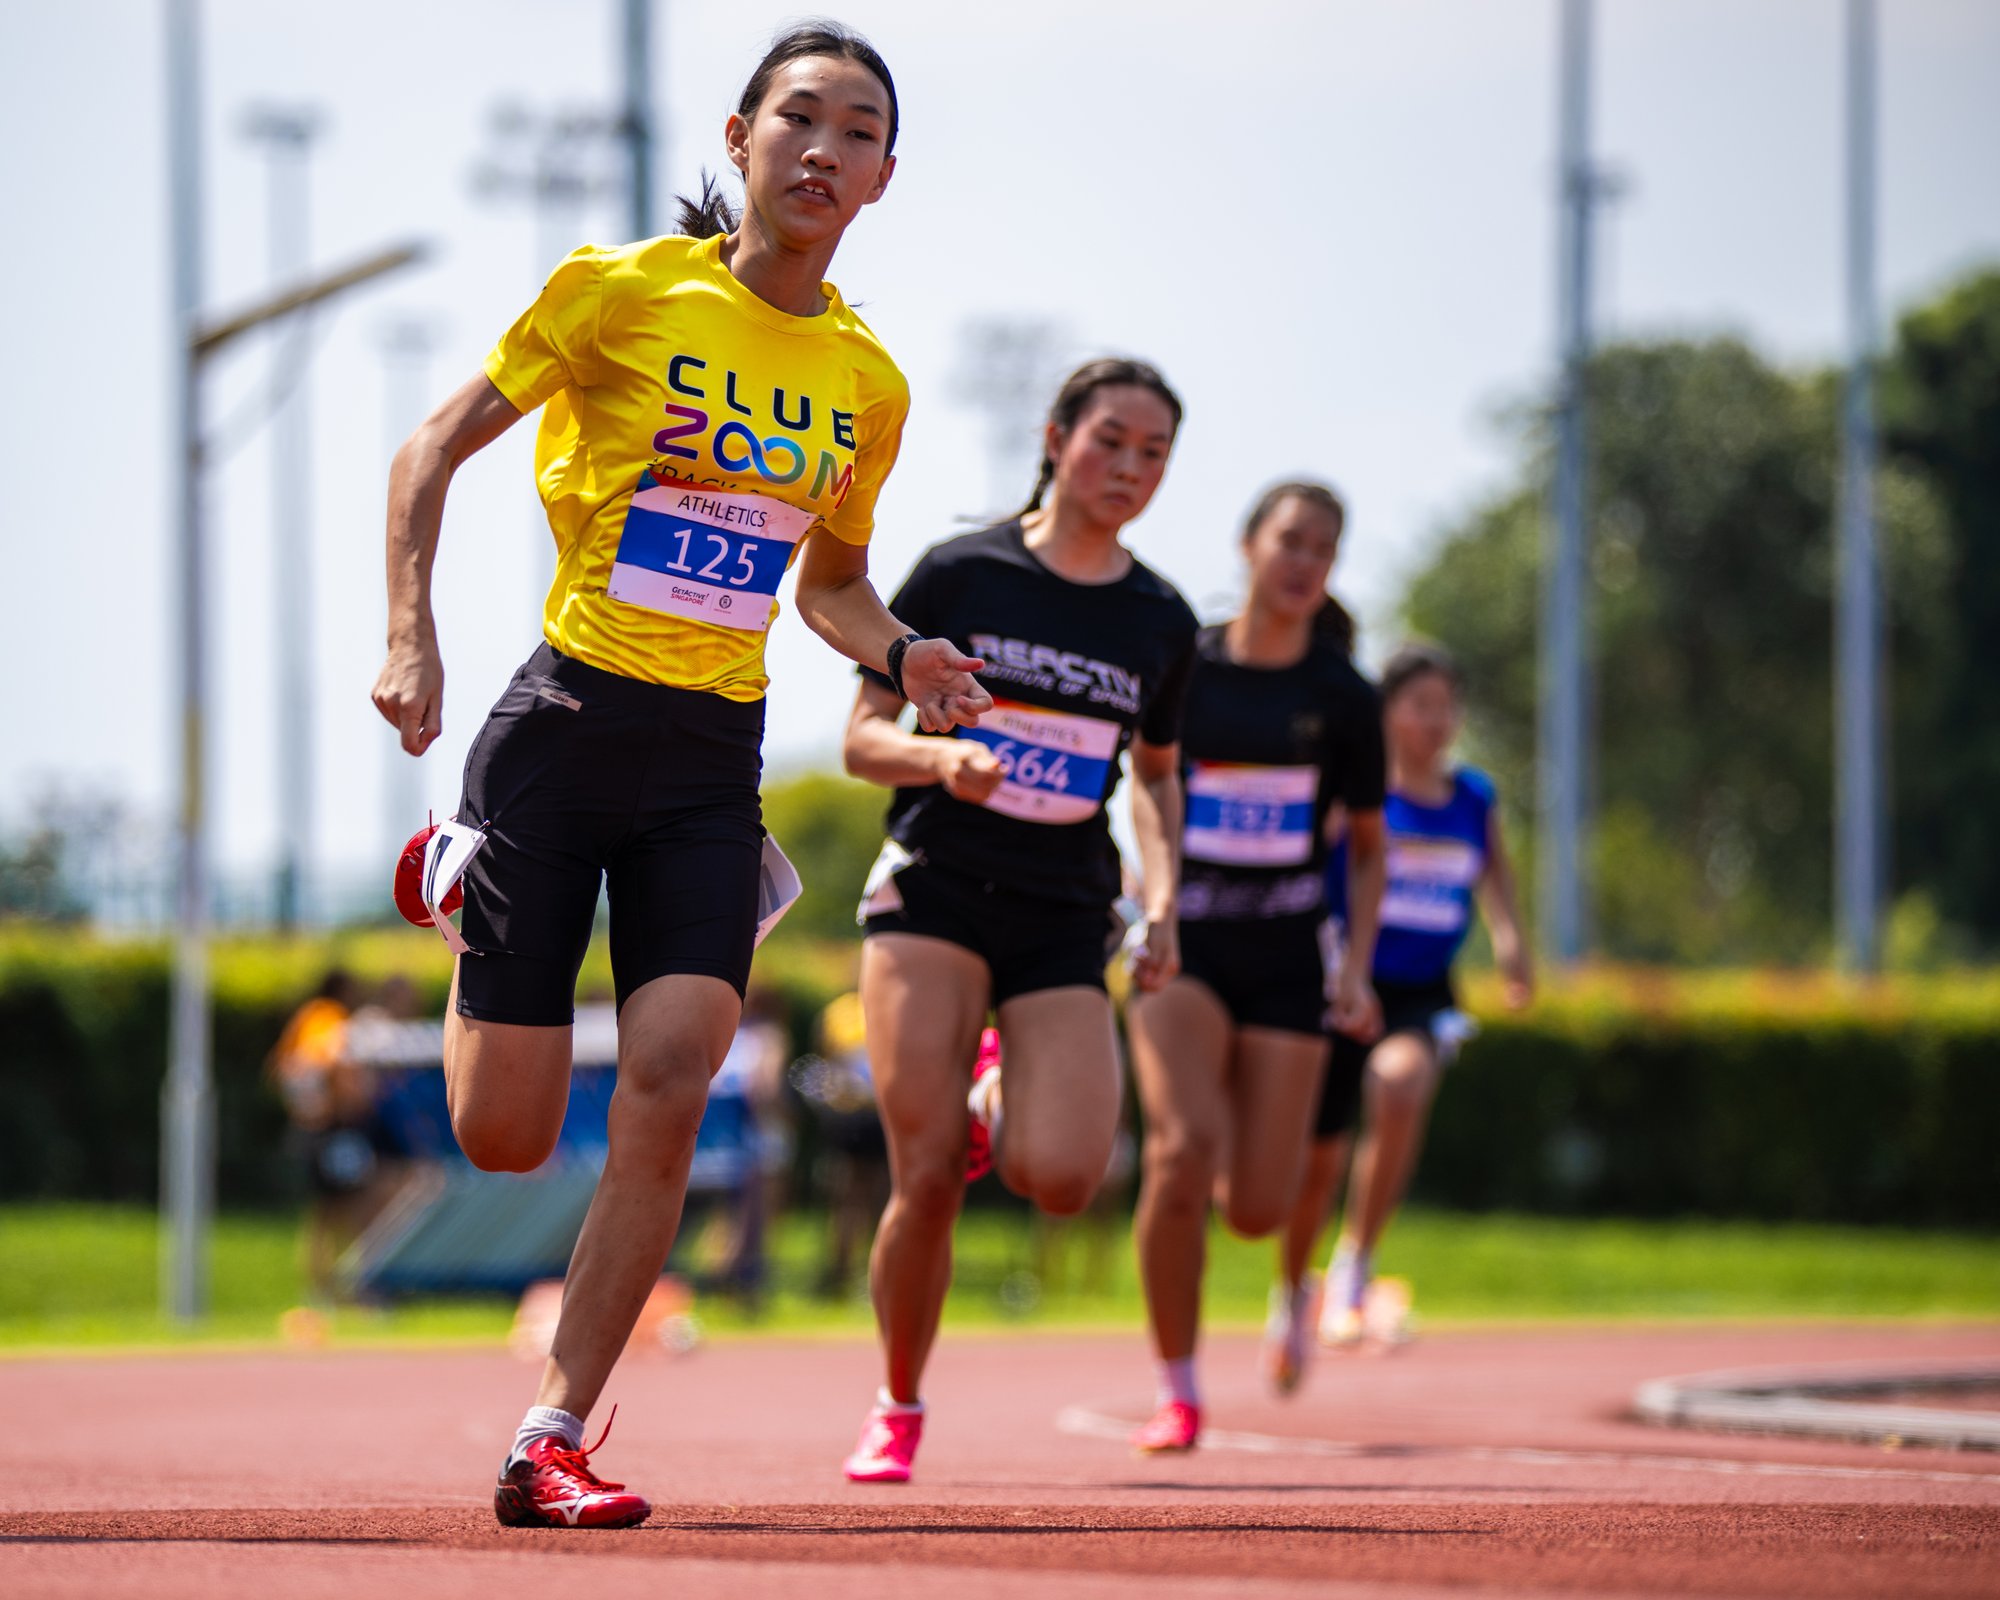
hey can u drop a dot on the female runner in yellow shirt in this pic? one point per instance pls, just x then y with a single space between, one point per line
711 408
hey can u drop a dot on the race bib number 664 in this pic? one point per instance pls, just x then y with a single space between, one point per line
1055 765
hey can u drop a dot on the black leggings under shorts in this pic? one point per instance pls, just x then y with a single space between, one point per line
1269 973
1406 1008
583 777
1028 944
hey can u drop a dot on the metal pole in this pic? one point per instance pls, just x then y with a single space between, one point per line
638 119
1564 625
287 136
187 1118
1858 782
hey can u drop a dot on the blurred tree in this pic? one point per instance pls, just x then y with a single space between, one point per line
831 827
1712 481
1941 420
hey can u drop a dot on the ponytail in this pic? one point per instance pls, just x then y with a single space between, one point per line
1334 623
710 213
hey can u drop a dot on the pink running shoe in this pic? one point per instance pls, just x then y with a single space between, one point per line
1175 1426
887 1449
979 1133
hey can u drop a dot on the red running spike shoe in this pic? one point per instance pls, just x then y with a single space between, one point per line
552 1486
409 889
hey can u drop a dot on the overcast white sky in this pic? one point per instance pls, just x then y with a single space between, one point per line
1330 223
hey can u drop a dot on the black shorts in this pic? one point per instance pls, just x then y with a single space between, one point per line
1269 973
581 777
1027 943
1406 1008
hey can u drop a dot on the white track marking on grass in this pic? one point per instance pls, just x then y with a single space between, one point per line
1086 1423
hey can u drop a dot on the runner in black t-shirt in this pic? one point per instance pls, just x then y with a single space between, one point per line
995 889
1279 728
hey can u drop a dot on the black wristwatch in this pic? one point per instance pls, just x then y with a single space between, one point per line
897 650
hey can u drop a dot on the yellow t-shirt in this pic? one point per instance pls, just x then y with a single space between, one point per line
692 436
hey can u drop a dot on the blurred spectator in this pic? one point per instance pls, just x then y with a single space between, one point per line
329 1102
752 1075
839 1087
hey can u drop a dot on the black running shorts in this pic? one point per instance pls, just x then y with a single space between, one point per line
582 777
1028 944
1269 973
1406 1008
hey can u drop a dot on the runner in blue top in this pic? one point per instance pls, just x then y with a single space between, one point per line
1445 853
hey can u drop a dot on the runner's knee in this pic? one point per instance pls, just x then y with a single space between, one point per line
662 1089
494 1141
1059 1185
931 1182
1180 1167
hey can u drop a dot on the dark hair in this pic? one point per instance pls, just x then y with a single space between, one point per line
711 213
1414 661
1108 372
338 985
1333 621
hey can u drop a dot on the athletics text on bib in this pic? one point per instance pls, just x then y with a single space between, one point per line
1056 764
705 554
1240 815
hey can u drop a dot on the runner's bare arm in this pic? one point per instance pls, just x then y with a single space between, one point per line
879 751
1157 814
409 692
1356 1010
841 606
1501 909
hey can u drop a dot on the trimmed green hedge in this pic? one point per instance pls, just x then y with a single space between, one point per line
1730 1096
1639 1094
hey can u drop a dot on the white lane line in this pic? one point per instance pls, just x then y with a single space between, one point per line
1089 1424
1821 1403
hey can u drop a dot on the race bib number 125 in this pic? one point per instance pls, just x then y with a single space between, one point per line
706 554
1057 764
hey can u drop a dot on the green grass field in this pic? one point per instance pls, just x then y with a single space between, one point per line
85 1276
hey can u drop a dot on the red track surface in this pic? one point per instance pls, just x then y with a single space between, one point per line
1494 1463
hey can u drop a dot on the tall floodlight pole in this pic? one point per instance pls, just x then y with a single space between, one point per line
1004 372
187 1112
1858 874
287 133
187 1101
553 161
637 122
1564 691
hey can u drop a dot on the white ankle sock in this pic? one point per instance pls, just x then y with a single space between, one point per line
1174 1380
1347 1278
889 1405
546 1422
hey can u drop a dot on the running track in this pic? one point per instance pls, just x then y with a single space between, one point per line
1491 1464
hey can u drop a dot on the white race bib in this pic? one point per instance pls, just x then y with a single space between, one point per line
1430 883
706 554
1056 764
1249 816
